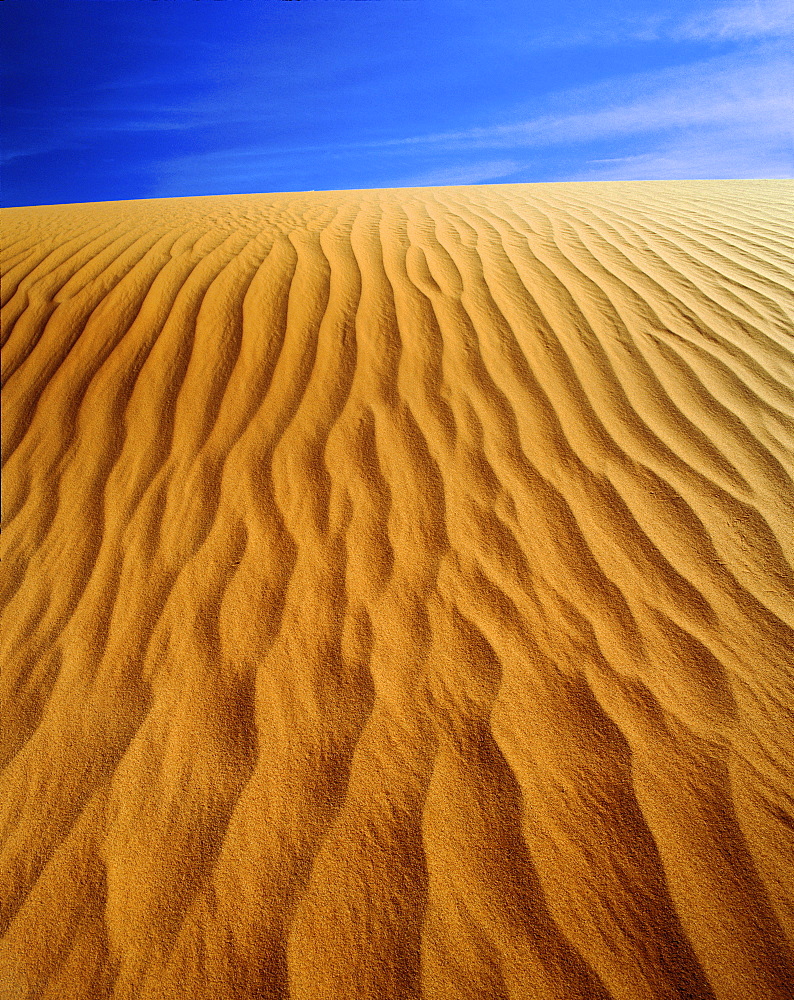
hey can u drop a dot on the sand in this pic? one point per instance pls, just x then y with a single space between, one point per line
398 595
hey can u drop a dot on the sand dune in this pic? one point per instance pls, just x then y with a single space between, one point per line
398 595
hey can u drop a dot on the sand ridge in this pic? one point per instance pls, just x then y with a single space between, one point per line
398 595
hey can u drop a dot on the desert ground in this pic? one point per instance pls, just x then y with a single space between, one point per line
398 595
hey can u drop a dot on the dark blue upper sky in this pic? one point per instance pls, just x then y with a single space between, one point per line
112 99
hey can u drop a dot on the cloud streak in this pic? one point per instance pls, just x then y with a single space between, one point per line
253 112
755 92
756 20
727 116
474 173
740 21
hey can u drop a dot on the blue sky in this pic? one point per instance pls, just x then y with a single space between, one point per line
116 99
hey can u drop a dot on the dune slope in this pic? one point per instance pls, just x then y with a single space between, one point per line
398 595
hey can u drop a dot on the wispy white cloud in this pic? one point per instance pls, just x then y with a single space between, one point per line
237 168
746 20
472 173
740 21
712 153
79 130
749 93
728 115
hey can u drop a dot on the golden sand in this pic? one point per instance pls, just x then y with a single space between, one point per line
398 595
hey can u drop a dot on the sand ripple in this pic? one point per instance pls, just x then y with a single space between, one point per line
398 595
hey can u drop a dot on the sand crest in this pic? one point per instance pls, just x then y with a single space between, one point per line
398 595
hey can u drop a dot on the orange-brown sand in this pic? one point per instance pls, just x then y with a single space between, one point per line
398 595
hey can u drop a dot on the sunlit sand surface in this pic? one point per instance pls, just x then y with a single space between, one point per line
398 595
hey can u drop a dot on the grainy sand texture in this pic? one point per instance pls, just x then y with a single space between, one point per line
399 597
